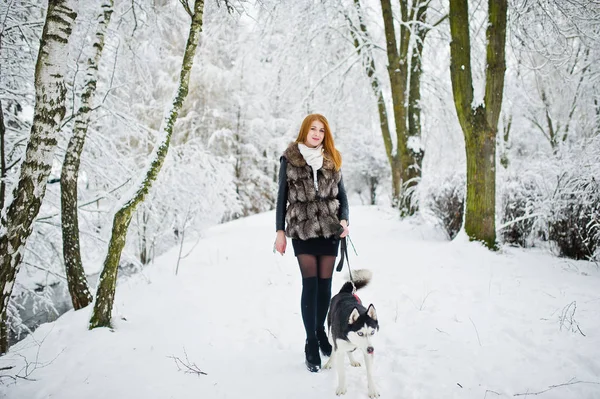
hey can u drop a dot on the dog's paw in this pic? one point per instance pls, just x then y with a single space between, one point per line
354 363
373 393
340 390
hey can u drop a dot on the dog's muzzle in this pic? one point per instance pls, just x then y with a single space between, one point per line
370 349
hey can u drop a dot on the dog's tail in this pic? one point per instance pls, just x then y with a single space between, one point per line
360 278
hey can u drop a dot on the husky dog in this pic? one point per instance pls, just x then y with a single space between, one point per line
351 327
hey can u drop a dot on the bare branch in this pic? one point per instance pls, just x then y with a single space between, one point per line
476 332
571 382
186 7
187 366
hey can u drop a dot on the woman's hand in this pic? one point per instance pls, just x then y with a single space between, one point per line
346 231
280 242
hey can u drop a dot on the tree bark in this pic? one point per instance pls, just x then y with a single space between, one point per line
50 92
398 74
76 280
479 124
412 173
404 70
2 159
101 315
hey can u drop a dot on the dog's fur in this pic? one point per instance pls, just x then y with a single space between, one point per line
351 327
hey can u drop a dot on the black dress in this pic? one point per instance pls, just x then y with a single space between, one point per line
316 246
319 246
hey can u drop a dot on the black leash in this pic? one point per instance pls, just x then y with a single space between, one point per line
344 249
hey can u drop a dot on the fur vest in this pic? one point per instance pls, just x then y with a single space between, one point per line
311 213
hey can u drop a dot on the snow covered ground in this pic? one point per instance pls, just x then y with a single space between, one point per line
457 321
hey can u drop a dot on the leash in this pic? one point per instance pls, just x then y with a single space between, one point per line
344 249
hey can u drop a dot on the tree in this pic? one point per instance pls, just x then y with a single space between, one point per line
559 52
479 123
20 30
2 158
404 71
78 288
101 315
16 222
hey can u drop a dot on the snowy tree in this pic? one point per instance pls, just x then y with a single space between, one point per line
101 315
20 29
479 122
404 70
17 217
80 294
551 112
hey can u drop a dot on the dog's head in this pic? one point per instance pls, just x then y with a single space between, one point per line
362 328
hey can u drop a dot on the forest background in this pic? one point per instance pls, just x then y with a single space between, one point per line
383 73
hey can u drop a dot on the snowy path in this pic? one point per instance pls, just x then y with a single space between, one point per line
457 321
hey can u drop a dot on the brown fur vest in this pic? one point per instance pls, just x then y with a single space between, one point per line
311 213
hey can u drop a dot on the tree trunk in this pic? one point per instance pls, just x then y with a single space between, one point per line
504 161
101 315
480 206
398 74
2 159
50 91
373 184
381 108
479 124
144 248
416 152
404 70
76 280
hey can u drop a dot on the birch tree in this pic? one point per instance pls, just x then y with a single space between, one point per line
479 123
101 315
20 29
17 219
78 288
2 158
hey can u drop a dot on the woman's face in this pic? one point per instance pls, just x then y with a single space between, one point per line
315 134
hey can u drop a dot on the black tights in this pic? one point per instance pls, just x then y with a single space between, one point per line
316 291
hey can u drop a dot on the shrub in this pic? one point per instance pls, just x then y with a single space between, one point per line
518 216
447 203
574 223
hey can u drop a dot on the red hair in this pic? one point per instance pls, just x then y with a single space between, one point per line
330 151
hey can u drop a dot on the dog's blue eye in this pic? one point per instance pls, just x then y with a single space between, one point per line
360 333
373 332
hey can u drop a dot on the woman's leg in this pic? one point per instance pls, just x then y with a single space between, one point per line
308 303
325 272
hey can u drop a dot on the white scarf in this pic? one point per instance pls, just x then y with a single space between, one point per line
313 157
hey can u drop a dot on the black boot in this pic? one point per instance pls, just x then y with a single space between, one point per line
313 360
324 342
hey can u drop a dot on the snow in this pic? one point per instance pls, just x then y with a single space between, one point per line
457 321
414 144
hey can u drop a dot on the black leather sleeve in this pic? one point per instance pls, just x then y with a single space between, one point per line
282 196
344 212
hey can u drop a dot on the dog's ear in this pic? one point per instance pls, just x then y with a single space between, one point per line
353 316
371 312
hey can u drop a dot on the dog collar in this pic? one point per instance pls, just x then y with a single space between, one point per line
357 298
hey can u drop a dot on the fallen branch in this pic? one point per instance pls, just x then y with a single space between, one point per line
567 318
571 382
476 332
489 390
187 366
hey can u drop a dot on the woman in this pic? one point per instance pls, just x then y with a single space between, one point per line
312 209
